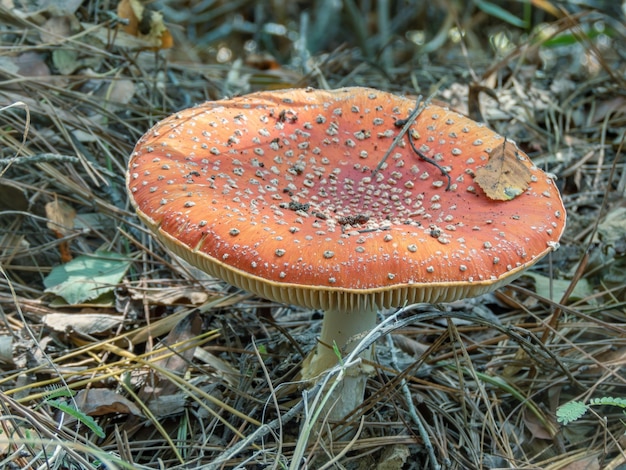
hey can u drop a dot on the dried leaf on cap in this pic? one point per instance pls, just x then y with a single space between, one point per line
506 174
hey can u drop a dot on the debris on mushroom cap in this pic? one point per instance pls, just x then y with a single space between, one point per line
275 192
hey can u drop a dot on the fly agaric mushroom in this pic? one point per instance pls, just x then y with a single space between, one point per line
277 193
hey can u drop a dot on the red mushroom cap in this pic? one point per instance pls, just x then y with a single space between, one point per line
275 192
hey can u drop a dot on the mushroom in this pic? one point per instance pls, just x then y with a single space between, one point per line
279 193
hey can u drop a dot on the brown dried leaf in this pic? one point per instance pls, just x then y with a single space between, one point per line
220 367
612 358
171 295
184 332
120 91
102 401
60 217
615 104
84 323
32 64
585 462
163 406
61 221
506 175
58 27
536 427
394 456
144 23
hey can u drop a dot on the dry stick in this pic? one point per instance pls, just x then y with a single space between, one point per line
406 124
53 157
419 107
444 172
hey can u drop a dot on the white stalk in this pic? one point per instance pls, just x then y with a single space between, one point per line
344 329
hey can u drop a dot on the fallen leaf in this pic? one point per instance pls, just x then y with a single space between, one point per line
180 341
168 405
144 23
393 457
583 462
218 367
176 294
32 64
262 62
58 28
119 92
59 7
608 261
60 217
536 427
551 288
102 401
65 61
61 221
506 175
84 323
611 358
87 276
519 362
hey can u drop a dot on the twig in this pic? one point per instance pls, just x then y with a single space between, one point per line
52 157
406 123
431 161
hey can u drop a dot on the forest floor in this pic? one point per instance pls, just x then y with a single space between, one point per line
116 354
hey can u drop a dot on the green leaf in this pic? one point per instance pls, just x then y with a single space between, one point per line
498 12
568 39
337 352
575 409
86 277
571 411
79 415
619 402
543 286
60 392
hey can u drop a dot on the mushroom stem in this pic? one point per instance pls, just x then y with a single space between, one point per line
344 328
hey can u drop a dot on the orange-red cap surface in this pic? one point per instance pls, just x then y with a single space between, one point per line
275 192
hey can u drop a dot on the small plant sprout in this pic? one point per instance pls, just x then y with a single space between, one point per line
574 410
